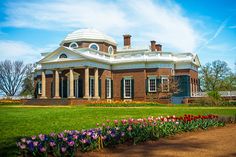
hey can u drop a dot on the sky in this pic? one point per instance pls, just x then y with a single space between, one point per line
207 28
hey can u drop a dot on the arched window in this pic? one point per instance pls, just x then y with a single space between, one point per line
94 46
73 45
63 56
110 50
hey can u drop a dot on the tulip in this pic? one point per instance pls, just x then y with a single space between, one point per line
42 149
63 149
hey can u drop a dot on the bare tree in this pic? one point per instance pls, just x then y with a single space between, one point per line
169 86
28 82
12 75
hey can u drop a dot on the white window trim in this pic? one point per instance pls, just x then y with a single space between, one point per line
163 78
62 54
108 94
149 87
130 79
111 51
72 44
94 44
90 85
39 87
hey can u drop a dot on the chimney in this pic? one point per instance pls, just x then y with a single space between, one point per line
153 48
158 47
127 41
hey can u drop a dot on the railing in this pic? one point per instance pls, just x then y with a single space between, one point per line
16 97
222 93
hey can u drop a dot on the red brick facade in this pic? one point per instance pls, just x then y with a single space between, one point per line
138 75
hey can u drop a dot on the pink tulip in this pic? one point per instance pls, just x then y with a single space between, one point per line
63 149
22 146
71 143
42 149
23 140
33 137
129 128
35 143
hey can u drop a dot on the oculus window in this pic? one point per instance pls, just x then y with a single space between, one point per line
63 56
73 45
94 46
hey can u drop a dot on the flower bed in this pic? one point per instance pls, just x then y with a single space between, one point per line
109 134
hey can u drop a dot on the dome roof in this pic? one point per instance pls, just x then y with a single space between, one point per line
89 35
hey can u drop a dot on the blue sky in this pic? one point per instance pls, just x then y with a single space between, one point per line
207 28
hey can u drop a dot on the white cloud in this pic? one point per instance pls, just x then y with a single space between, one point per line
145 20
17 50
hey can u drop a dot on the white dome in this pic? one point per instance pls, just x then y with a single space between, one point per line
89 35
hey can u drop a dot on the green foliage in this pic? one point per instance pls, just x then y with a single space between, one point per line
214 75
214 94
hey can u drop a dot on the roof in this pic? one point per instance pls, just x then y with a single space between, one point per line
88 35
121 58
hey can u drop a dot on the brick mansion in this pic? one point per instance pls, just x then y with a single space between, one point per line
88 65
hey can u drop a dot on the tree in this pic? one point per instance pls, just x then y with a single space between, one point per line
213 75
169 86
28 82
12 75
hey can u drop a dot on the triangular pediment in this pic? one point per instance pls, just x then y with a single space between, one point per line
56 56
196 60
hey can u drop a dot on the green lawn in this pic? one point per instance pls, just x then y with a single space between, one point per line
21 121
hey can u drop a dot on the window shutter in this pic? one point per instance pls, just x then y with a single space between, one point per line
111 88
132 88
80 87
122 89
65 88
106 88
89 87
52 89
146 83
158 84
100 87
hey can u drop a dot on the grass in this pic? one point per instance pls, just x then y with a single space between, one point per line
19 121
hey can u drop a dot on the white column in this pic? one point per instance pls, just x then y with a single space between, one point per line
57 84
43 95
86 83
71 84
96 90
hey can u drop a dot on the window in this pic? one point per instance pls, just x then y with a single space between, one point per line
39 87
127 88
63 56
110 50
165 84
73 45
152 84
91 86
108 88
94 46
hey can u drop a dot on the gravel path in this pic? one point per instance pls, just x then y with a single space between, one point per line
215 142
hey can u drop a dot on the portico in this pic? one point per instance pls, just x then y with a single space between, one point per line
76 85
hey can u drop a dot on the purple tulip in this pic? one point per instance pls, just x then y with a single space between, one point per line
28 141
83 141
122 134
